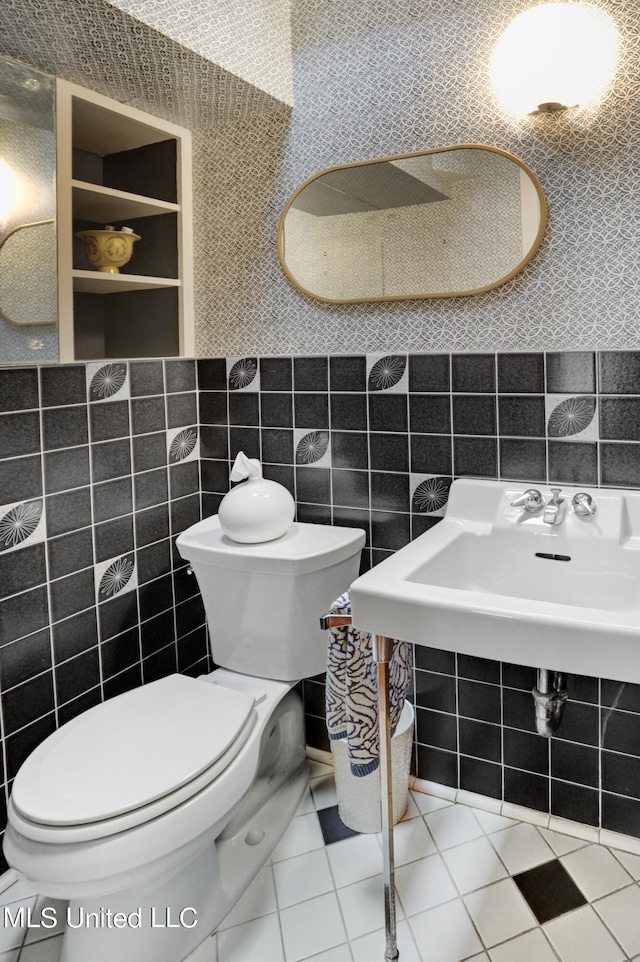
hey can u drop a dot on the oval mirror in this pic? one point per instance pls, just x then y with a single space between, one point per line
448 222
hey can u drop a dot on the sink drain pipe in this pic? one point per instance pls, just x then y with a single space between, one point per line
549 698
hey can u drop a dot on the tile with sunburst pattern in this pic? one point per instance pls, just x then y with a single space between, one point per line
571 418
108 381
117 576
21 524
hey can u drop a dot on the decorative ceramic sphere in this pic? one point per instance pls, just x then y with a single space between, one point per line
256 510
108 250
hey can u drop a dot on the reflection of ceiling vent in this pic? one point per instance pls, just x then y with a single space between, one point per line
351 190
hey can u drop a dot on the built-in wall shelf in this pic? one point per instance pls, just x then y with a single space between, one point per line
121 167
93 282
94 202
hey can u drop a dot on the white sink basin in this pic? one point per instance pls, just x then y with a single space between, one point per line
495 581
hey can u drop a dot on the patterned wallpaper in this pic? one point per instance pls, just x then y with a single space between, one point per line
370 80
376 79
92 43
251 39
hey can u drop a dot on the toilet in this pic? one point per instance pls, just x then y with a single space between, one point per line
152 812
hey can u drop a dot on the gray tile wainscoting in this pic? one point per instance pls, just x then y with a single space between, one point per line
98 474
374 441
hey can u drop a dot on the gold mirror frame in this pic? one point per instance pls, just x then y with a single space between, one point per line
492 285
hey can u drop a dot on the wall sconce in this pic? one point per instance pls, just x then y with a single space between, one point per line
555 56
8 190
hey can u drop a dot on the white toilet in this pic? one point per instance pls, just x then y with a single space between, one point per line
151 813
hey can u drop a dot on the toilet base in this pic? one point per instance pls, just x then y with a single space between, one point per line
164 921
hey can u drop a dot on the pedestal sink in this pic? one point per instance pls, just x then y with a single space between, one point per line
496 581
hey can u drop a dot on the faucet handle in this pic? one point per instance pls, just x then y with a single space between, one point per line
531 500
584 505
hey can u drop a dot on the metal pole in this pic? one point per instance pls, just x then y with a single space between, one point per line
382 651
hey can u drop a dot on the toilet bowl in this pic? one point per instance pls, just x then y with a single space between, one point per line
152 812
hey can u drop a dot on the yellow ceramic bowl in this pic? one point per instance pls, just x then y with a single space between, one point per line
108 250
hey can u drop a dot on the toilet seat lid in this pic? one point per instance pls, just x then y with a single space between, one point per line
129 751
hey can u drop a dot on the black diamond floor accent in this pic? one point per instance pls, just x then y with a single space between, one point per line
549 890
333 828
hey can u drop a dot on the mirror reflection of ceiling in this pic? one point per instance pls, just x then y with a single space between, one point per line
369 187
449 222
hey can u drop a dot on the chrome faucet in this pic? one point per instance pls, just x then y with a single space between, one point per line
555 509
584 505
531 501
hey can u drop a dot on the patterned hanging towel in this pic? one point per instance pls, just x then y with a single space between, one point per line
352 690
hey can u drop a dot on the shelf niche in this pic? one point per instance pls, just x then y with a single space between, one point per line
121 167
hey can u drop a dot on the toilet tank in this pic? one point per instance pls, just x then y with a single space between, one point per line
263 601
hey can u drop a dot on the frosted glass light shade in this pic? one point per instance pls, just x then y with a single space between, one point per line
8 189
555 55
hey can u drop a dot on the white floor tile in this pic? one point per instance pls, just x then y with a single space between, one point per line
46 951
13 929
315 924
499 912
306 803
60 909
355 858
15 890
620 913
530 947
429 803
411 840
521 847
474 864
362 906
421 885
595 871
12 956
630 862
206 952
258 900
453 826
445 933
302 877
323 791
341 953
257 941
411 811
303 835
371 947
580 936
562 844
491 822
318 769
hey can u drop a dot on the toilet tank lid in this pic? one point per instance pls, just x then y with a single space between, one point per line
129 751
304 547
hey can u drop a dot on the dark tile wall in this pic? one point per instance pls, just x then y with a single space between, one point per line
98 474
374 441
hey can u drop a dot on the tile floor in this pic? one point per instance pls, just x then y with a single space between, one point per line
471 885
